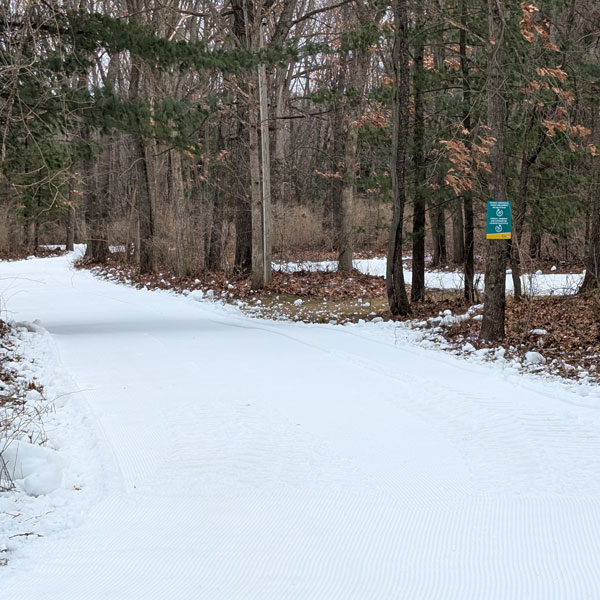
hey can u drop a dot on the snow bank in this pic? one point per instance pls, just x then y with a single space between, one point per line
57 463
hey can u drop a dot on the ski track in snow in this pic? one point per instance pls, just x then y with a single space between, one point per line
248 459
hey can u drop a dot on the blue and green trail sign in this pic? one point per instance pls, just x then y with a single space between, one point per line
499 220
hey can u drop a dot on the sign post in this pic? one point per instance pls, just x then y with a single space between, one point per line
499 220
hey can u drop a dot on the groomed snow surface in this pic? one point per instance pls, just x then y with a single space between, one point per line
204 454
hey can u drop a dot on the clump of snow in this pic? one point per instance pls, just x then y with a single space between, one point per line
197 295
298 302
538 332
36 470
534 358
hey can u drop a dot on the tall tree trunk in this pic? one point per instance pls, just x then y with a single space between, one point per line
280 174
347 200
418 234
144 206
255 193
265 164
358 74
140 155
436 203
591 281
214 247
179 201
469 269
458 240
437 219
97 194
243 214
70 227
520 208
396 290
333 201
492 326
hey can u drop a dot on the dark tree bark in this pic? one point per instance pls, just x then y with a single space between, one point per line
145 209
591 281
70 242
142 182
97 195
418 234
528 159
437 219
535 243
492 326
179 202
458 238
214 240
242 11
331 216
396 290
469 226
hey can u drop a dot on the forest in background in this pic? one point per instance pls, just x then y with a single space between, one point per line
199 136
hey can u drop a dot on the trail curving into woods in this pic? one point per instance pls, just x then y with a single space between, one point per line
247 459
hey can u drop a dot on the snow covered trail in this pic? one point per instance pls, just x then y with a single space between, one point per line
262 460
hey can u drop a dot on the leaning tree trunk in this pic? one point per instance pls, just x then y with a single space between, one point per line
396 290
492 326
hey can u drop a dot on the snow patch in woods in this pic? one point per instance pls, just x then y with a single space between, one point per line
538 284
